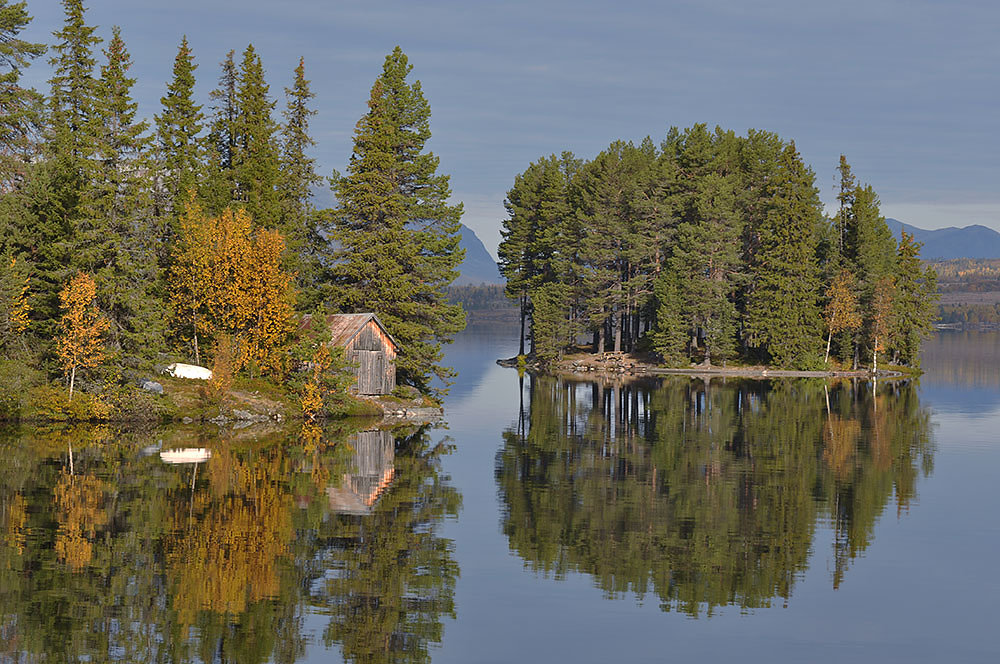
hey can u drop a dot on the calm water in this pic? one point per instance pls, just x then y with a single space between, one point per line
549 521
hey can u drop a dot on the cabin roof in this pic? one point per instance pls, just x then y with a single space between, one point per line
344 327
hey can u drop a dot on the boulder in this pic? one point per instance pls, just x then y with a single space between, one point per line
151 386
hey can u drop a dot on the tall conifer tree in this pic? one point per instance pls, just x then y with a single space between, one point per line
398 236
219 189
117 240
301 224
783 308
19 106
255 157
178 132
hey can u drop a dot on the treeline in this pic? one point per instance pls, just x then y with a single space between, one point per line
968 275
480 297
199 229
708 247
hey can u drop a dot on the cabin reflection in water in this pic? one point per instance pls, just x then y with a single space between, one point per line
372 471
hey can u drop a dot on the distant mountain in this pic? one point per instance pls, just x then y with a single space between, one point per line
478 267
947 243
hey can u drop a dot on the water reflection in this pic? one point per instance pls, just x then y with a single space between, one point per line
122 557
704 494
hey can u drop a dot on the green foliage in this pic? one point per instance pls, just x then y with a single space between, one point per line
398 236
782 312
17 379
303 226
178 134
20 108
255 156
712 246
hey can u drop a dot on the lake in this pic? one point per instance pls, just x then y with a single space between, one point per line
546 520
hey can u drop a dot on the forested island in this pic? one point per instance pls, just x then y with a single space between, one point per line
710 248
126 244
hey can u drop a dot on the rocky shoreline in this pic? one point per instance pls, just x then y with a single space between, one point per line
609 365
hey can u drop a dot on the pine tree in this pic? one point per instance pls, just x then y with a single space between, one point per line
301 223
398 236
255 157
19 107
782 314
606 191
178 131
706 255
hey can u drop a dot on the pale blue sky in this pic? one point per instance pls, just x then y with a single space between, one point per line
908 90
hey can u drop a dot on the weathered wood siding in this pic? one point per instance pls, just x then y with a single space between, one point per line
372 471
374 354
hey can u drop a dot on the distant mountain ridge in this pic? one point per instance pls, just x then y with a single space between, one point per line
947 243
478 267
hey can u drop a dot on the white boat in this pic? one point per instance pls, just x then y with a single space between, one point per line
186 455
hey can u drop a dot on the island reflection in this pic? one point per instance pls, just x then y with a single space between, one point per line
121 556
705 494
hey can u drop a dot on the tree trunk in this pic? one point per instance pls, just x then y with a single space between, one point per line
72 381
829 338
616 322
524 307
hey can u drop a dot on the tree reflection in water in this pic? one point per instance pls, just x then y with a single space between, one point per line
705 494
127 558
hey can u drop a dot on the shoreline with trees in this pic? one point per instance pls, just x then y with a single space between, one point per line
127 245
709 249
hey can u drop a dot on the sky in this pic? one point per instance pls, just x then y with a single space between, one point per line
908 90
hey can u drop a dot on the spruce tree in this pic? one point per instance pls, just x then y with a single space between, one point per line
178 133
255 155
117 239
72 102
398 236
301 224
54 198
219 189
783 305
19 106
914 305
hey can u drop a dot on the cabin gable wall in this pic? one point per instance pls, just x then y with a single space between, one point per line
374 354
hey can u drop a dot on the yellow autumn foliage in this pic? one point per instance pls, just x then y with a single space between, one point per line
227 547
79 345
227 279
79 515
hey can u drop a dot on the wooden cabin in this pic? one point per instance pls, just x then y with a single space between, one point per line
372 471
369 347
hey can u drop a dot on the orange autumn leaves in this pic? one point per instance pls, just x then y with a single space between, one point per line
227 281
81 325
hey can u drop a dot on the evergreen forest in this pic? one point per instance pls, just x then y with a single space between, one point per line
129 243
707 248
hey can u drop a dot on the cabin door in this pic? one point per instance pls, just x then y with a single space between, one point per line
371 372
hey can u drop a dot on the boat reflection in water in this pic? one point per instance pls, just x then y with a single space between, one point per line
705 493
